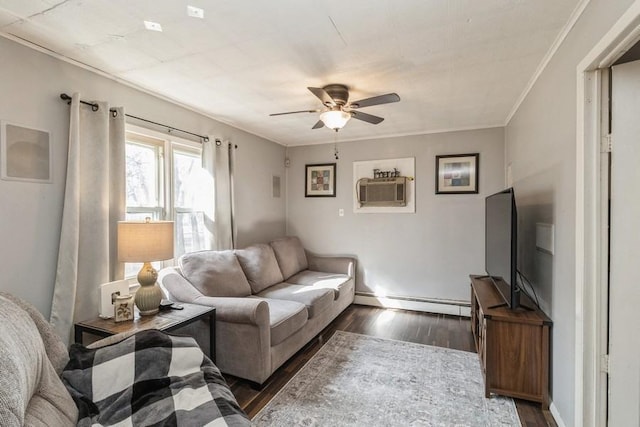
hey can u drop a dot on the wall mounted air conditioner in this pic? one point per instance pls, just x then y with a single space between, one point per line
382 191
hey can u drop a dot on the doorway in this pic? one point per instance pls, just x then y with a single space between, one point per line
596 333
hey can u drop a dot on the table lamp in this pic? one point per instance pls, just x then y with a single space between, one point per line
146 241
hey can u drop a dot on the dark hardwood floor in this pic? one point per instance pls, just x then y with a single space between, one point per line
424 328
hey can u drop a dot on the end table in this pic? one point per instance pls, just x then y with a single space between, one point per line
166 320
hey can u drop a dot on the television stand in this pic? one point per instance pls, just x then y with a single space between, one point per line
513 345
504 304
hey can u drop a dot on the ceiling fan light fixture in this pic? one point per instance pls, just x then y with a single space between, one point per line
335 119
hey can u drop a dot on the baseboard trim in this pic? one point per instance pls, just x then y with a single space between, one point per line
556 415
452 307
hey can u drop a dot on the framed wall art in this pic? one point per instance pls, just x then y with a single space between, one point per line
457 173
25 153
320 180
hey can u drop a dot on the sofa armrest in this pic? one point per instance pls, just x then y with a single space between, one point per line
332 264
113 339
179 288
252 311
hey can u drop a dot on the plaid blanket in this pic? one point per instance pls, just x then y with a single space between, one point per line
150 379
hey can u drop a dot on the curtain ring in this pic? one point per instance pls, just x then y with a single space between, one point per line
218 142
94 107
114 113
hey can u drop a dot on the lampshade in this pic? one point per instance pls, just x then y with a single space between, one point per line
145 241
335 119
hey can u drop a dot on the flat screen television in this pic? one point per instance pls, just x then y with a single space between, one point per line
501 245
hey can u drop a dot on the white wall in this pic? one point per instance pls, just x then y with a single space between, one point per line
541 148
31 214
428 254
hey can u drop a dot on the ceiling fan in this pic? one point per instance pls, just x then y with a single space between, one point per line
338 110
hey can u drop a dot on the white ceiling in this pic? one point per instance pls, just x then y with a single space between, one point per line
456 64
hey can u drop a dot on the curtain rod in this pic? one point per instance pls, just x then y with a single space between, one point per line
94 107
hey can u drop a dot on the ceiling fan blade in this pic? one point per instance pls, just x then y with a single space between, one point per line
323 96
375 100
369 118
295 112
319 124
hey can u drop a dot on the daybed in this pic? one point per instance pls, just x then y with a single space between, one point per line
110 383
271 300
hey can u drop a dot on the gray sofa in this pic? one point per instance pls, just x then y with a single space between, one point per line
271 299
32 358
42 384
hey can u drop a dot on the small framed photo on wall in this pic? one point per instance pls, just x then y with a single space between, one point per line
25 153
457 173
320 180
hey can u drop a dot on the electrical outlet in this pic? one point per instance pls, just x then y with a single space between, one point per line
340 212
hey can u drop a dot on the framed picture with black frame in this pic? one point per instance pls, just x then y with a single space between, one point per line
320 180
457 173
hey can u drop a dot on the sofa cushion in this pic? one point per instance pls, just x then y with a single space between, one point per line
260 266
290 255
321 280
285 318
316 300
215 273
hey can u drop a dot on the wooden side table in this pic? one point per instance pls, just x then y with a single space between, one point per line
166 320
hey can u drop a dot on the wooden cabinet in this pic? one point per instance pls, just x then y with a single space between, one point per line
513 345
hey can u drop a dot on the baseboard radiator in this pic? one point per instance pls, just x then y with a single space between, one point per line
428 305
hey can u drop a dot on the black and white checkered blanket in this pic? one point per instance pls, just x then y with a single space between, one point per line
150 379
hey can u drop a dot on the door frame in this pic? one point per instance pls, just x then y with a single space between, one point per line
591 247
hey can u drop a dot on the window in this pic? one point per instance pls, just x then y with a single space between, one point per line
165 181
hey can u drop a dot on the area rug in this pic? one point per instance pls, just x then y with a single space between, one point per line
358 380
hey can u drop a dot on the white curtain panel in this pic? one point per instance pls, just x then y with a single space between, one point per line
215 160
93 204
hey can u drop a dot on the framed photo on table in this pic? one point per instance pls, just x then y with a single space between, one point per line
457 173
320 180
